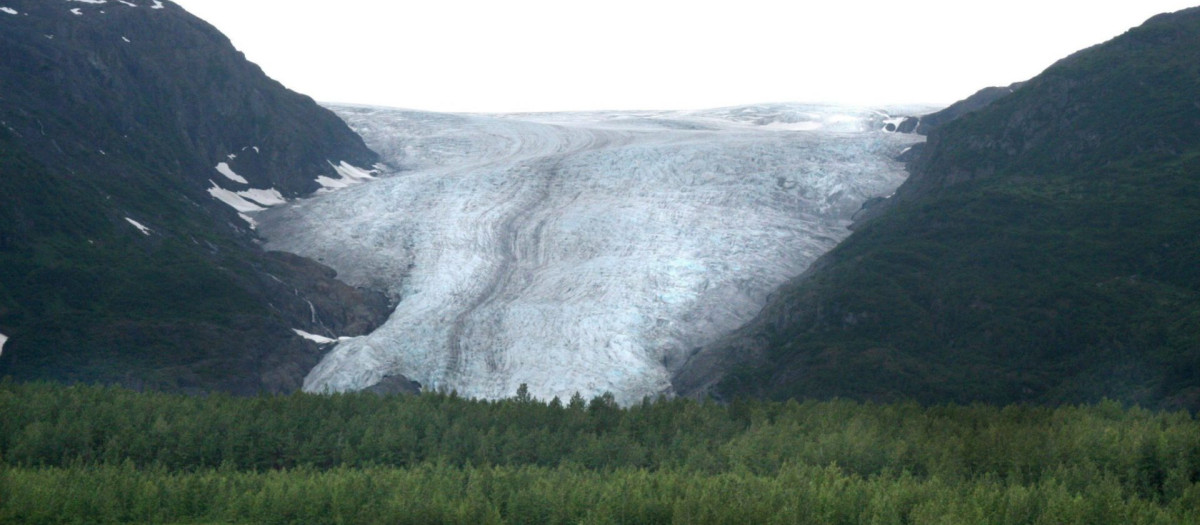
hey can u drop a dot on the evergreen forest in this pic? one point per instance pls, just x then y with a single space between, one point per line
94 454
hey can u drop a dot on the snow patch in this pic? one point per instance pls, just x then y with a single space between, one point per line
3 339
229 174
253 224
8 10
231 156
141 227
348 175
331 184
97 2
157 5
234 200
267 197
125 39
349 171
130 4
319 339
77 11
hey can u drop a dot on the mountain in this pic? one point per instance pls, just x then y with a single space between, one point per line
136 144
1044 249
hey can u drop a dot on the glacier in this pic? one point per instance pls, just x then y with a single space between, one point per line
579 252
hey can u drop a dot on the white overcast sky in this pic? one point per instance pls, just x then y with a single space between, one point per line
547 55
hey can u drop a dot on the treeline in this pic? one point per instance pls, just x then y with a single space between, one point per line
86 453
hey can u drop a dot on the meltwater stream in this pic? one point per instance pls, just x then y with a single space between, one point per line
579 252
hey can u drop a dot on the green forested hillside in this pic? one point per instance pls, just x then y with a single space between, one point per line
1045 249
93 454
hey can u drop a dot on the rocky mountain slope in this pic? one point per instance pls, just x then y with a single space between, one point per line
135 146
1044 249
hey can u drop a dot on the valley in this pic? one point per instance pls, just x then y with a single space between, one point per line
223 302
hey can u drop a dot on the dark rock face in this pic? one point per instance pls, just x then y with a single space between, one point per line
924 125
909 125
335 308
912 153
1043 250
394 384
116 263
981 99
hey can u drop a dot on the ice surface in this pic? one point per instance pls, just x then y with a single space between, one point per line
319 339
8 10
228 172
3 339
579 252
139 226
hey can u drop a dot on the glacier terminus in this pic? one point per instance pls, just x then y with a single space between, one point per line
579 252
